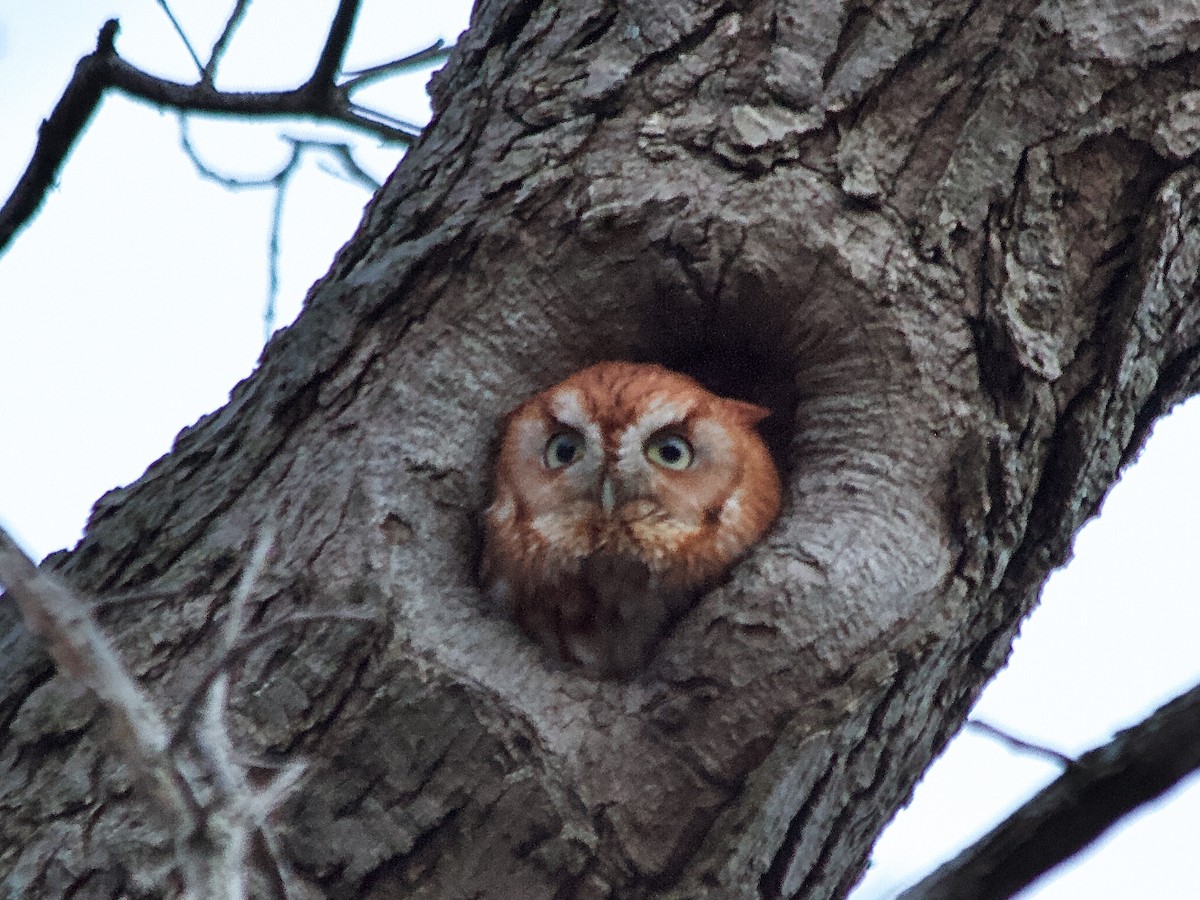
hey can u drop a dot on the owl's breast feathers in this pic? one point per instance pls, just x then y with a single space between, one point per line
683 553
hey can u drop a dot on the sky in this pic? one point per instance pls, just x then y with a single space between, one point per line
133 303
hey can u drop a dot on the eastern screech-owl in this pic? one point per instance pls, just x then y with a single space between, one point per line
621 494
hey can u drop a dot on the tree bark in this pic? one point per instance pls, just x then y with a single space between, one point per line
953 245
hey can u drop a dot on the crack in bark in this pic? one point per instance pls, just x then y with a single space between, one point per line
771 882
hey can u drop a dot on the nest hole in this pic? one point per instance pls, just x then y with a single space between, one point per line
748 348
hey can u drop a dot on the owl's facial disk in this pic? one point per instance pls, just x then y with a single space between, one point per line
661 464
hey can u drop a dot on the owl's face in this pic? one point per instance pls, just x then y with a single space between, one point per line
620 493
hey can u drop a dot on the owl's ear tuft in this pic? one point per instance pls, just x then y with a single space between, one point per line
746 413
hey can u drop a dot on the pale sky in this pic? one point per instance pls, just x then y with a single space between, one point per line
133 304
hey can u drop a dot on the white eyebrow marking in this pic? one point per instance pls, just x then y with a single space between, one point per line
660 412
567 407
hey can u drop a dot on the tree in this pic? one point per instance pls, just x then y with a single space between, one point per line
953 248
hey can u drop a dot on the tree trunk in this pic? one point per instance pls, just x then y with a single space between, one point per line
953 245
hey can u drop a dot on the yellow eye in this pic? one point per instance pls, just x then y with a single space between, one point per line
563 449
669 451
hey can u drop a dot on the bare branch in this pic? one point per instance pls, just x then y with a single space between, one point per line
206 171
1106 784
234 654
349 169
222 44
1020 743
57 136
330 61
332 105
182 36
80 649
318 98
435 52
212 809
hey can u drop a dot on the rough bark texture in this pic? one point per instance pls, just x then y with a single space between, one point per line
953 244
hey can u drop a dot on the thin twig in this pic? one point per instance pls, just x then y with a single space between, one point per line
222 44
280 181
236 620
182 36
232 656
319 98
155 595
374 115
212 836
1020 743
273 244
81 650
211 174
284 877
349 168
435 52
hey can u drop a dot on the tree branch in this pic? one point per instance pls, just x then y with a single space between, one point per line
57 136
319 97
1106 784
81 650
222 42
431 54
1021 744
280 181
166 8
330 61
331 104
212 836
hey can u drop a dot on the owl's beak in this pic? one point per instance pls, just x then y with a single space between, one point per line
608 497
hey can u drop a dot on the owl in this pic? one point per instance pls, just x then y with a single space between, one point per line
621 494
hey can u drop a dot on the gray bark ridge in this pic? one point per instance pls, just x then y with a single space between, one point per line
952 245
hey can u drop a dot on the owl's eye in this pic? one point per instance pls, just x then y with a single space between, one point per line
669 451
563 449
